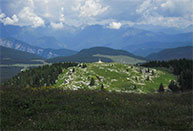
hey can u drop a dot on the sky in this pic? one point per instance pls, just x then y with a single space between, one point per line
111 13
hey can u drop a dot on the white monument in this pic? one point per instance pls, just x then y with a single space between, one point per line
99 61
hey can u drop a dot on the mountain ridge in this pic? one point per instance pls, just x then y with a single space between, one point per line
173 53
46 53
89 55
98 35
12 56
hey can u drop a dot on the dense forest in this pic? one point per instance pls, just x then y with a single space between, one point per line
40 76
182 68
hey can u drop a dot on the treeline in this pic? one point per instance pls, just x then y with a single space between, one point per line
182 68
40 76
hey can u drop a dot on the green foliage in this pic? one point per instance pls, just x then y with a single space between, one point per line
114 77
56 109
40 76
182 68
92 82
173 86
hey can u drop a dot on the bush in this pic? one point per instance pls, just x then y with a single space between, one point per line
92 82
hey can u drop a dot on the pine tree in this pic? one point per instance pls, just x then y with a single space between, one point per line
161 88
102 87
92 82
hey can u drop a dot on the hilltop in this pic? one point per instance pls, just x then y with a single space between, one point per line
104 53
113 77
91 76
90 96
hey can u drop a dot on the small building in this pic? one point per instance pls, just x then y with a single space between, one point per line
99 61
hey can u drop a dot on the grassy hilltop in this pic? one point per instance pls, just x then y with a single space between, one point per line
68 96
113 77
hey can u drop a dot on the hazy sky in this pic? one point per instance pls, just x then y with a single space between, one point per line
113 13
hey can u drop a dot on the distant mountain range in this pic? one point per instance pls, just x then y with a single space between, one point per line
46 53
104 53
173 53
154 47
138 40
12 56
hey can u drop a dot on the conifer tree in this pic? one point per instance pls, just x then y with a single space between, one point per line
161 88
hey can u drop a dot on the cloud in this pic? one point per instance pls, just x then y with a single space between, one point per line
90 8
36 13
2 15
7 20
57 25
172 13
28 17
115 25
11 21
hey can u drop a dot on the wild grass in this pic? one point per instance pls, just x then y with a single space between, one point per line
57 109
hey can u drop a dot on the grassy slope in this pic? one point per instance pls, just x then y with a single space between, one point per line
114 76
122 59
56 109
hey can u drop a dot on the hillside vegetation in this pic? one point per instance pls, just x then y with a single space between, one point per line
182 68
12 56
173 53
56 109
107 76
96 53
113 77
97 96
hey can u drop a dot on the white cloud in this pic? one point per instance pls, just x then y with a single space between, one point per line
7 20
28 17
36 13
115 25
57 25
144 6
90 8
11 21
2 15
176 13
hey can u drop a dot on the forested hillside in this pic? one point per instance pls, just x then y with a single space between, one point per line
12 56
96 53
173 53
182 68
40 76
